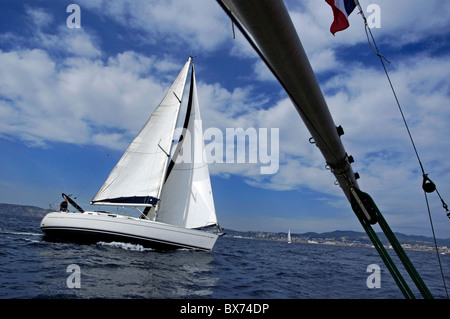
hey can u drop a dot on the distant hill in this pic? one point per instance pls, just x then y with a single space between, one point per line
353 235
340 236
402 238
23 209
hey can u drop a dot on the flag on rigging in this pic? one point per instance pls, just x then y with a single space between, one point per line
341 11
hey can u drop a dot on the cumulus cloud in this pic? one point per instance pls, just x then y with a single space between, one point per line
63 87
377 135
39 17
62 90
197 25
44 101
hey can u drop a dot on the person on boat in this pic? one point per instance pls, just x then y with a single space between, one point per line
63 206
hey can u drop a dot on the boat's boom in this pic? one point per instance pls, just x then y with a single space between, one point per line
271 27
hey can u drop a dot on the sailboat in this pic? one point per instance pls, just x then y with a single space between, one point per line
289 237
172 193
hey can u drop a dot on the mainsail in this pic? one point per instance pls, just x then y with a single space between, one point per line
186 198
137 178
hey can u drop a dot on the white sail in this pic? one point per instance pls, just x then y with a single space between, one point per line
137 178
186 198
289 236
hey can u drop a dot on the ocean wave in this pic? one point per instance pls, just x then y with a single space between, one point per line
126 246
6 232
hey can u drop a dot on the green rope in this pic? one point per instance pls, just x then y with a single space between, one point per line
420 284
366 203
395 273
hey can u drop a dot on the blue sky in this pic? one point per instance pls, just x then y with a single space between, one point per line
71 99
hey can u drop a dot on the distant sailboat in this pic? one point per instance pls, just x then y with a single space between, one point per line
289 237
175 195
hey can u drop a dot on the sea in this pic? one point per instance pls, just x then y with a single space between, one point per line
237 269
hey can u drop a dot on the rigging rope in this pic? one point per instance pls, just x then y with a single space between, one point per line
89 179
436 247
427 185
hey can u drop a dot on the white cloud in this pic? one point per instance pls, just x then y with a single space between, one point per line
79 43
39 17
196 25
81 96
77 101
54 38
377 137
405 22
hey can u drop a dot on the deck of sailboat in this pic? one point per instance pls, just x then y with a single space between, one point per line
91 227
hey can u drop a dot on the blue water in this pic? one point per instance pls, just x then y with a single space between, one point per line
237 268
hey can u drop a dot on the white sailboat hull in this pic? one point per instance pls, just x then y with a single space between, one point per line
92 227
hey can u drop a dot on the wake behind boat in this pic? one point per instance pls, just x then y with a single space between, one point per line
173 191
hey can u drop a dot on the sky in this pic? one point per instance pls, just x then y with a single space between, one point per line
73 98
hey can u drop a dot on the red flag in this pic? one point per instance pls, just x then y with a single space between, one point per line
341 11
